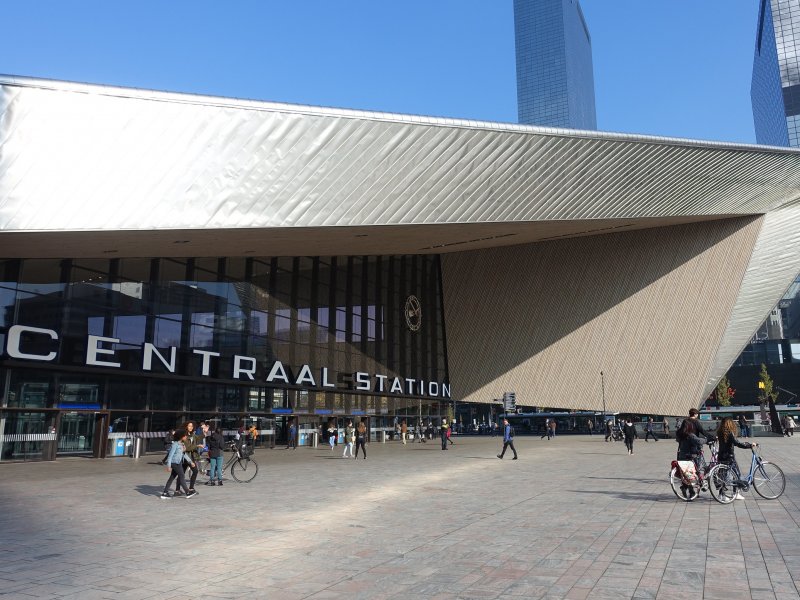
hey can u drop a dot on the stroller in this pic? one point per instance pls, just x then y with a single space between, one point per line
616 433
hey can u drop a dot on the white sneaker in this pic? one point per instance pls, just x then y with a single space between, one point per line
738 496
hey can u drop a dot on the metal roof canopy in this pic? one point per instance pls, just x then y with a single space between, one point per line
176 174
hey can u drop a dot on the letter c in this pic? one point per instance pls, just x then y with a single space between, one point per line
14 335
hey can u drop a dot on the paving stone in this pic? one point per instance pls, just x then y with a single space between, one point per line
403 524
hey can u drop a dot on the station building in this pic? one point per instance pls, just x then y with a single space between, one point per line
166 257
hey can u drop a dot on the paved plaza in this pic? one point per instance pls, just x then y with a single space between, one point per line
573 518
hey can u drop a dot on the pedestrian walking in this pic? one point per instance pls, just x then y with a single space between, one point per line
665 423
192 453
403 431
349 440
331 434
421 433
216 446
443 434
589 425
790 424
175 459
546 433
508 440
649 430
361 438
449 435
608 430
292 441
553 425
629 432
744 426
168 439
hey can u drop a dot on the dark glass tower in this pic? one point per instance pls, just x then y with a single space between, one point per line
555 82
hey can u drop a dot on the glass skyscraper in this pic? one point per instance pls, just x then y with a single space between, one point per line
555 82
775 96
775 89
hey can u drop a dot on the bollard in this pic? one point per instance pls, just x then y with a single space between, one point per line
314 436
138 447
383 437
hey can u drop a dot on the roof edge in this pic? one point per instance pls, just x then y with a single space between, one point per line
190 98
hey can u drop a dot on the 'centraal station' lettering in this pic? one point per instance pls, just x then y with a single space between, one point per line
98 354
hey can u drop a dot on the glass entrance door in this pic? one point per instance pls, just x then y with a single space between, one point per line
76 433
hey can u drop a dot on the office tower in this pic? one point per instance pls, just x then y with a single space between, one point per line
555 83
775 88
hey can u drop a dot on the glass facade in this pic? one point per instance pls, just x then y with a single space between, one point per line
95 348
775 95
770 116
555 80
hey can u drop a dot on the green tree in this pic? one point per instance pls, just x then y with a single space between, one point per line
766 386
724 391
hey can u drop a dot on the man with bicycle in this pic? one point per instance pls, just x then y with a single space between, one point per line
691 437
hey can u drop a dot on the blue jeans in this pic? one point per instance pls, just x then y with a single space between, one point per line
215 463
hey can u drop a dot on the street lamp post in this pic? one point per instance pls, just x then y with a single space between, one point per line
603 392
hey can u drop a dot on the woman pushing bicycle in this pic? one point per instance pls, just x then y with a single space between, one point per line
726 433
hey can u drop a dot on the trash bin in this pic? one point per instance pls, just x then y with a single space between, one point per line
119 447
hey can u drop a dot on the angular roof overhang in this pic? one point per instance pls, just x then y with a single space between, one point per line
84 166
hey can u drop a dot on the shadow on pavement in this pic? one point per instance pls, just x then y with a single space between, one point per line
150 490
627 479
628 495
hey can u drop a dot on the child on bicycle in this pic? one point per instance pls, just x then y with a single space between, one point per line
726 433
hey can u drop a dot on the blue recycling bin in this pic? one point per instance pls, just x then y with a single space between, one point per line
119 447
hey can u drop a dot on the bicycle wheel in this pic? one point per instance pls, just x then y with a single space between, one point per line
244 470
768 480
720 484
687 493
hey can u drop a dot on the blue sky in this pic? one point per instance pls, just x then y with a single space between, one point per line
677 68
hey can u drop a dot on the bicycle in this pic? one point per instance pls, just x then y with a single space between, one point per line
687 484
767 480
241 463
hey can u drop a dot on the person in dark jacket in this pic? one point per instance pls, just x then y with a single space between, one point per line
726 434
443 434
691 437
192 456
608 430
361 437
167 445
649 430
630 434
216 447
508 440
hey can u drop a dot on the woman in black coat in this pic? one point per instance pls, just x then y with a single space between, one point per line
629 432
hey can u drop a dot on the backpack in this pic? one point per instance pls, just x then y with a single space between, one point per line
511 431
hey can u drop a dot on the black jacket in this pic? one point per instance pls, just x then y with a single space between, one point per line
725 450
216 445
629 431
691 438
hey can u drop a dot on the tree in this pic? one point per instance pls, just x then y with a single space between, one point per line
766 386
724 391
